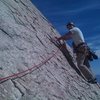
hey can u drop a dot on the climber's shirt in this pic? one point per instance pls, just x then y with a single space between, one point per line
77 36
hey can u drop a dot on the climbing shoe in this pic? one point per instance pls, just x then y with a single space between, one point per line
92 81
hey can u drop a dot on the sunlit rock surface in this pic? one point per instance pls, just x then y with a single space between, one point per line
24 42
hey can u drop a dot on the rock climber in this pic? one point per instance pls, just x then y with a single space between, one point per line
81 50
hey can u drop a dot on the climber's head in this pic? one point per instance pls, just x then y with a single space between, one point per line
70 25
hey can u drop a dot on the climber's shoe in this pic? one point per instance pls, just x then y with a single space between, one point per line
92 81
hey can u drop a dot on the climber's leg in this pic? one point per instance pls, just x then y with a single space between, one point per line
83 68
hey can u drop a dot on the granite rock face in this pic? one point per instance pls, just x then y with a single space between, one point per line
25 42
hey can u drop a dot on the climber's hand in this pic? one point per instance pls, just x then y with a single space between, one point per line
57 39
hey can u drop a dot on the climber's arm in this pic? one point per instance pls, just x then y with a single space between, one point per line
66 36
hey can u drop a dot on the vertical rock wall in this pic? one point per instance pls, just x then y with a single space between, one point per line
24 42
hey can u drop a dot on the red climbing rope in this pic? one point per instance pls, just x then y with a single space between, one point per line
22 73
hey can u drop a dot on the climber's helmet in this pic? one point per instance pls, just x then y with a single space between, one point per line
70 25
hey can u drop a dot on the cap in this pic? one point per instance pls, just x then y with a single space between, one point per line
70 23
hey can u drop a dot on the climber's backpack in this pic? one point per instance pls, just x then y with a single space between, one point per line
91 55
84 48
